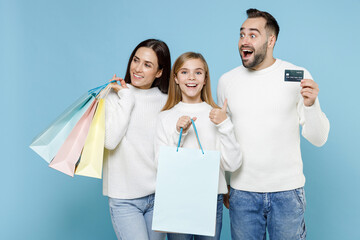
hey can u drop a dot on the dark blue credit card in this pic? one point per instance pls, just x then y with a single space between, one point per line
294 75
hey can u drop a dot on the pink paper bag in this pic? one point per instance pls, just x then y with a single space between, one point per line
69 153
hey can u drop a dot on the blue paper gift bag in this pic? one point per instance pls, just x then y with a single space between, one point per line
186 191
48 143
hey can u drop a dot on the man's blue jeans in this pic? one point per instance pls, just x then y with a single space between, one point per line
219 213
282 213
132 218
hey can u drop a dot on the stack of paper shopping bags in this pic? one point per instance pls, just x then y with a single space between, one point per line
74 142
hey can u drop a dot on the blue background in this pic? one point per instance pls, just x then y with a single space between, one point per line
51 52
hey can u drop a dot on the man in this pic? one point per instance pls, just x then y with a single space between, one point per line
267 103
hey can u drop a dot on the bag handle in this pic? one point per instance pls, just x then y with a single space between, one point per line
197 137
98 89
104 92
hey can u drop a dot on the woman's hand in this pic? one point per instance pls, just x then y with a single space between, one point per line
185 123
116 86
217 116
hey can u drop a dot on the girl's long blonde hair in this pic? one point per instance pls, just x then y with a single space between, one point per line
174 91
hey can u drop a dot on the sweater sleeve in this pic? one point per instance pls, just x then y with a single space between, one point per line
163 138
315 125
117 115
175 138
231 156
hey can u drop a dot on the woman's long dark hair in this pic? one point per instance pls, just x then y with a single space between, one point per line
164 62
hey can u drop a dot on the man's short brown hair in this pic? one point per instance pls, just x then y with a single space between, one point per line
271 23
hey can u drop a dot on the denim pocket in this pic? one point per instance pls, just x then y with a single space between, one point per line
303 231
300 196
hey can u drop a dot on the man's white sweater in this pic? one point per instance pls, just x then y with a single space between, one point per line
130 121
266 112
219 137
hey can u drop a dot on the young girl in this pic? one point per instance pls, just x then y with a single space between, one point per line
130 118
190 98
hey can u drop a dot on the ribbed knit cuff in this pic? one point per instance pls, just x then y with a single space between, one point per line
126 96
123 92
314 107
312 110
176 136
225 126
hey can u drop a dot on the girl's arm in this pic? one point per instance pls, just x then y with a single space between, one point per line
231 156
170 136
118 108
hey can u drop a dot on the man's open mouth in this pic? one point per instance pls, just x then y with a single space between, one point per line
247 53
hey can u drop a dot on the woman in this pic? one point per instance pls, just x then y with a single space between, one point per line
131 112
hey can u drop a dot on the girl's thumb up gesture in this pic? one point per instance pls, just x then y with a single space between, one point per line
218 115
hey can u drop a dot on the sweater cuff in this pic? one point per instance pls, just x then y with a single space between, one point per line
123 92
127 96
225 126
313 108
176 136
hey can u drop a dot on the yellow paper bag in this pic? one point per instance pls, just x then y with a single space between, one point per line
91 161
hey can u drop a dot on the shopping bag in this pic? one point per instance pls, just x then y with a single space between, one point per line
69 153
91 160
186 190
47 143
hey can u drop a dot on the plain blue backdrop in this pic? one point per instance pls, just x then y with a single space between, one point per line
51 52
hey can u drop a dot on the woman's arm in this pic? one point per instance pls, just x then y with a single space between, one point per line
118 108
161 139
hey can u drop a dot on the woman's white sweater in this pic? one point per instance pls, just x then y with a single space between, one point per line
130 118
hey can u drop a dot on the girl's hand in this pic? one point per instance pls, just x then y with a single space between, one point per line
116 86
185 123
217 116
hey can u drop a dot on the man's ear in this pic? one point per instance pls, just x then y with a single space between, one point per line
271 41
159 73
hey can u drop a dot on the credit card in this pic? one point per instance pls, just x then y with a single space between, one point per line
294 75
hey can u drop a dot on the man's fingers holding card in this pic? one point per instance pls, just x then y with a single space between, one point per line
309 91
309 83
